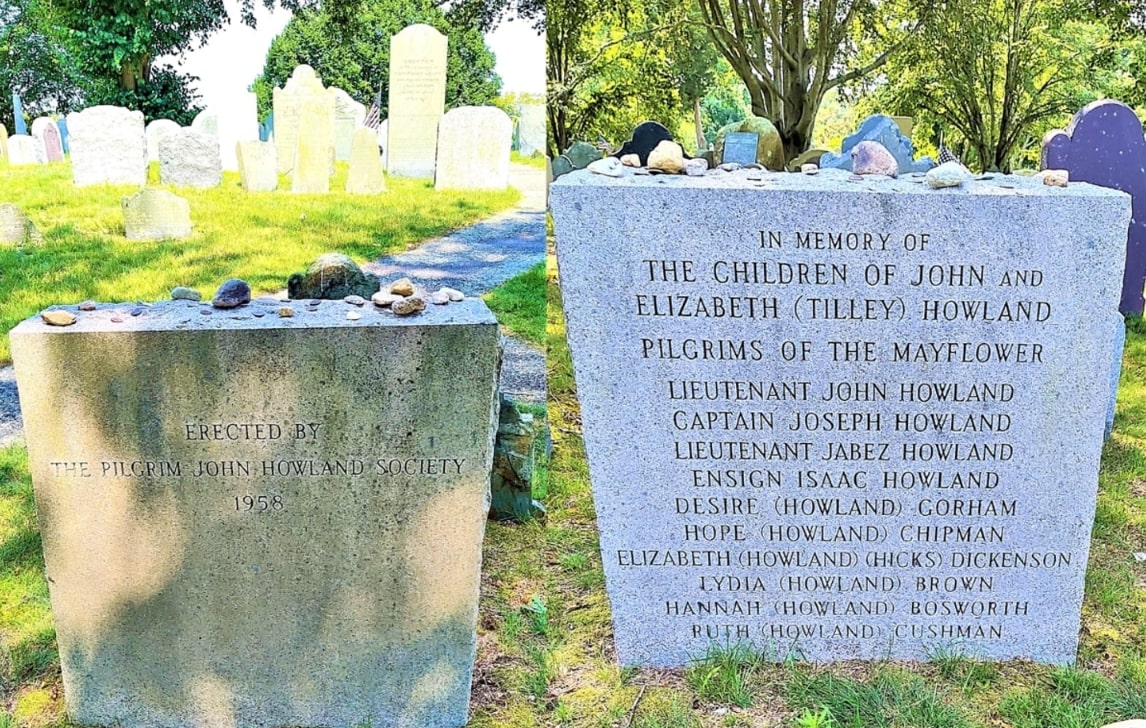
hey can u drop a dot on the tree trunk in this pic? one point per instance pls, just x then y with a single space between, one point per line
701 142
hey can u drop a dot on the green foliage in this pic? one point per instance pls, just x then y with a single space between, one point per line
37 61
538 614
816 719
354 54
722 674
889 698
168 94
1072 698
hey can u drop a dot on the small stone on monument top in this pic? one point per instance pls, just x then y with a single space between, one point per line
332 276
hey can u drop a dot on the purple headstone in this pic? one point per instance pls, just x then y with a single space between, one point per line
1104 145
52 145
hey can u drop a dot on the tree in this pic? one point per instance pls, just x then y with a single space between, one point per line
996 74
483 15
36 60
789 53
354 54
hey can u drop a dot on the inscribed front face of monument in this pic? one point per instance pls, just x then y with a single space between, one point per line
870 414
251 520
417 100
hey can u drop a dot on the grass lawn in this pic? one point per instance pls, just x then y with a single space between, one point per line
533 160
261 237
519 304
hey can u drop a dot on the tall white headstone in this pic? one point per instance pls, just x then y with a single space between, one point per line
417 100
473 149
108 145
302 88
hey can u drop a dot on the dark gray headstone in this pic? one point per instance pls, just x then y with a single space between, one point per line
740 147
1104 145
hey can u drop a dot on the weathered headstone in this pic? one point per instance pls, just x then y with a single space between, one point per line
190 158
24 150
267 128
258 168
473 149
243 528
314 148
882 129
417 100
237 122
348 117
153 214
39 124
868 413
15 227
740 147
206 122
108 146
531 130
155 131
18 114
366 175
62 127
3 142
303 87
1104 145
53 148
383 136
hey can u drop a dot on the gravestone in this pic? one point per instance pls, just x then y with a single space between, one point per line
302 88
740 147
39 124
1104 145
16 229
18 115
348 116
237 121
155 131
258 168
531 130
882 129
383 144
868 413
206 122
62 127
154 214
417 100
267 128
190 158
108 146
769 145
53 148
24 150
365 176
3 142
314 147
263 521
473 149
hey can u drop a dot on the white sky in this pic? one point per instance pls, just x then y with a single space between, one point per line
234 56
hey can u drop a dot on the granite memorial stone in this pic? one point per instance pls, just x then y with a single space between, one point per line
155 131
417 100
258 168
869 426
154 214
882 129
262 521
740 147
24 150
108 146
473 149
190 158
1104 145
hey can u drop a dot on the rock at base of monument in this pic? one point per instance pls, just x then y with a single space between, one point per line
511 481
152 214
646 136
16 229
769 145
332 276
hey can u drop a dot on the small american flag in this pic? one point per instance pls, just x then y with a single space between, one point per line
373 116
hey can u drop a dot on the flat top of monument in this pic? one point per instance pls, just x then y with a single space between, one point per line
831 180
260 314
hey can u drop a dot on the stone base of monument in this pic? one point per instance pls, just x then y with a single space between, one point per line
262 521
870 413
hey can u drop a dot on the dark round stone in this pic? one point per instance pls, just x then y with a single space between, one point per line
231 294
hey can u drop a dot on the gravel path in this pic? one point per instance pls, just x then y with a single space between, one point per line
473 260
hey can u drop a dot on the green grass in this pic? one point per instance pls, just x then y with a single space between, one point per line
533 160
260 237
519 304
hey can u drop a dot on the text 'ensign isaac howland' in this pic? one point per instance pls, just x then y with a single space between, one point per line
871 413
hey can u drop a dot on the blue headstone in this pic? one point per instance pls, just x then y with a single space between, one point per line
62 125
18 112
882 129
1115 371
1104 145
267 128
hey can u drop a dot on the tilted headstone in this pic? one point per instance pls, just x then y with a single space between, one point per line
108 146
473 149
531 130
740 147
15 227
155 131
882 129
301 88
314 148
365 176
24 150
348 116
3 142
153 214
868 413
258 168
18 114
53 148
417 100
190 158
62 127
245 528
1104 145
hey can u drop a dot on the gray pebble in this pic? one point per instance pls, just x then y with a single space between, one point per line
232 294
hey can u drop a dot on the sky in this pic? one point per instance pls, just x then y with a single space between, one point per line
234 56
